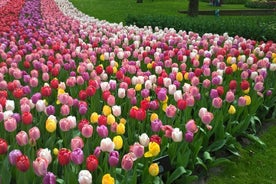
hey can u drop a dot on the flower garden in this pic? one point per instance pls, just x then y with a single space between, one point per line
88 101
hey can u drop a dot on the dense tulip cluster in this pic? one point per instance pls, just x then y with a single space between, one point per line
84 100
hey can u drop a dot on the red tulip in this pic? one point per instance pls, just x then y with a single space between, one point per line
27 118
64 156
22 163
82 123
46 91
82 94
109 70
156 138
244 85
92 163
181 104
90 91
18 93
233 84
105 95
120 75
140 114
220 90
54 83
3 146
99 69
102 120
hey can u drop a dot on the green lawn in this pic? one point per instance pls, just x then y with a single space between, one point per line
255 166
117 10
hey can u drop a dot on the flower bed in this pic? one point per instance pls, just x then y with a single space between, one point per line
85 100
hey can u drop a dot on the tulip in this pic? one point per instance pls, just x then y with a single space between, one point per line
102 130
45 153
156 125
144 139
118 142
177 135
84 177
191 126
92 163
171 111
40 166
3 146
189 136
76 156
87 131
10 124
34 133
154 150
137 149
107 145
113 158
116 110
156 138
108 179
22 163
154 169
120 129
64 156
232 109
94 117
49 178
21 138
127 162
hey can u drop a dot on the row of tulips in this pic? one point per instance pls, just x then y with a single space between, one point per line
88 101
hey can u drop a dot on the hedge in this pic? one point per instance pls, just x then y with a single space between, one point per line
250 27
261 4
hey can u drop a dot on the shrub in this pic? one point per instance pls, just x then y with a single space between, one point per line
229 1
256 28
261 4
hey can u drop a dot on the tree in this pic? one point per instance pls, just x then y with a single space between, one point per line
139 1
193 8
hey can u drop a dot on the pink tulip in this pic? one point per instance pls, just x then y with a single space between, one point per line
22 138
34 133
107 145
10 124
76 142
87 131
40 166
171 111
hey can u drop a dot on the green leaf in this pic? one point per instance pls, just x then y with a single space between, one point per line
60 181
220 161
233 150
207 156
216 145
5 174
200 162
255 139
176 174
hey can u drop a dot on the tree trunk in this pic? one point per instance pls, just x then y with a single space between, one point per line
193 8
139 1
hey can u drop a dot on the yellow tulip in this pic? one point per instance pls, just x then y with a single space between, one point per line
102 57
149 66
153 116
138 87
246 91
164 107
186 76
179 76
51 125
154 169
110 119
232 109
120 129
118 141
123 121
234 67
106 110
108 179
248 99
55 151
154 150
94 117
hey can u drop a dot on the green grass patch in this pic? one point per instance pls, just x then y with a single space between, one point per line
256 164
118 10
